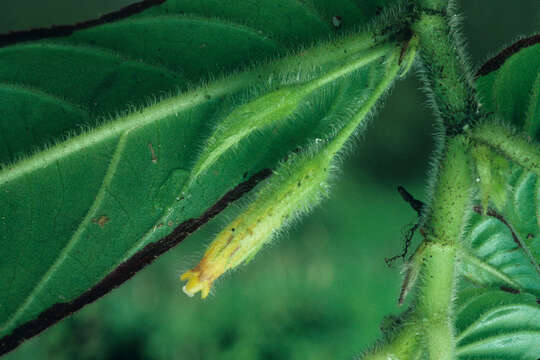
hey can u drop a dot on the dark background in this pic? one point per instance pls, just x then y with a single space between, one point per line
321 290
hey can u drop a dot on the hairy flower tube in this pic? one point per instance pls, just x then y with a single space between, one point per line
292 190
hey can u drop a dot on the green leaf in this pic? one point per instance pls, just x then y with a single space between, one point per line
126 169
497 325
497 309
502 247
103 70
510 85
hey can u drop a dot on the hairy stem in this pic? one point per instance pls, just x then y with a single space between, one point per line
451 194
447 78
509 144
446 74
444 228
434 304
403 345
429 326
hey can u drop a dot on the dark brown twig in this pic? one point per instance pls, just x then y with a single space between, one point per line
417 206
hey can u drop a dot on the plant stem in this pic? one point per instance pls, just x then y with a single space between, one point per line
404 345
445 72
447 77
451 198
444 227
434 303
431 318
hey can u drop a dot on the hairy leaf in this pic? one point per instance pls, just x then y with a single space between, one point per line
125 169
498 302
497 310
502 247
497 325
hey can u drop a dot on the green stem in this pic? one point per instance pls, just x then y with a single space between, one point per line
432 317
403 345
451 198
444 227
447 77
434 303
446 74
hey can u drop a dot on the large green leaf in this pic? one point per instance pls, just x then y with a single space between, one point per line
153 120
165 50
509 85
498 314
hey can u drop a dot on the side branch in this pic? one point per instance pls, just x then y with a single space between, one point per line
446 75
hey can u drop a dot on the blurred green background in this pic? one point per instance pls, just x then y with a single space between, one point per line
318 292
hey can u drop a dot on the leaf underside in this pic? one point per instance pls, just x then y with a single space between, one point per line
498 299
97 165
497 313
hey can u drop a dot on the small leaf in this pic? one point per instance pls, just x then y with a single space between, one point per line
502 248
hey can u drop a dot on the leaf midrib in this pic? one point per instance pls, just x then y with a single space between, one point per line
491 339
476 261
120 127
474 325
115 128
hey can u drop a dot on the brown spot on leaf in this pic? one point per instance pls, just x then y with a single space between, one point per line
101 221
152 152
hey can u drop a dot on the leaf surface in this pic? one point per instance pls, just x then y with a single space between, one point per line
502 248
497 325
497 312
512 88
118 134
